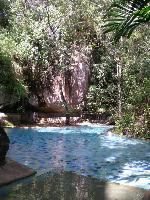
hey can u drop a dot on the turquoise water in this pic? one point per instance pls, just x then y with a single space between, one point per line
85 150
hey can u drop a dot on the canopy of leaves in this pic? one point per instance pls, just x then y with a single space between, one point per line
37 41
125 16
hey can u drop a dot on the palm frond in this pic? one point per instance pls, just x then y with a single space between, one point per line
125 17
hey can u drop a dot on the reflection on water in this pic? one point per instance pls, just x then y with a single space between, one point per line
69 186
88 151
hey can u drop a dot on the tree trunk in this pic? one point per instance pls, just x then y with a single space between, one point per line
119 75
66 106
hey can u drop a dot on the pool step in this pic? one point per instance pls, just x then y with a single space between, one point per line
13 171
70 186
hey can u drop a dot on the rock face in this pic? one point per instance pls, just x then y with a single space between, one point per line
73 80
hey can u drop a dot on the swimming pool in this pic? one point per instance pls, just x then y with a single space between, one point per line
85 150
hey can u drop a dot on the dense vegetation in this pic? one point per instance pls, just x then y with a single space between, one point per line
37 39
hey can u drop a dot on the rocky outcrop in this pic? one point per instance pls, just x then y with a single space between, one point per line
73 80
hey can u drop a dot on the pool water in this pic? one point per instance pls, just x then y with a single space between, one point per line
85 150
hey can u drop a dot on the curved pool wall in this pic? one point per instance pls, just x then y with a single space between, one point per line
86 150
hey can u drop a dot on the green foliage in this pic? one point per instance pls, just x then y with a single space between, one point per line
102 93
9 72
135 120
38 41
4 13
125 16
